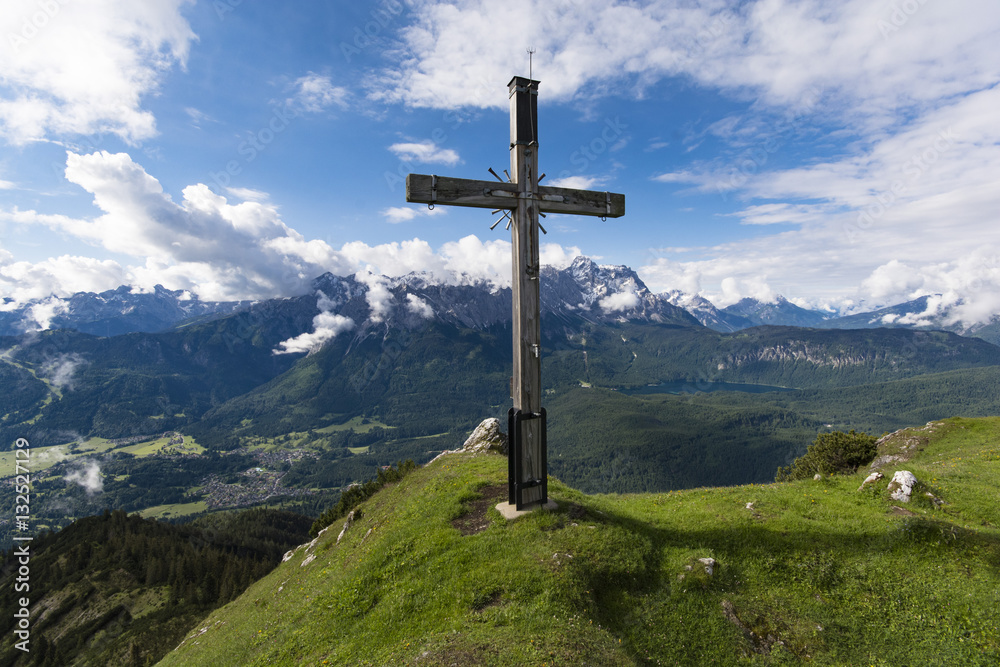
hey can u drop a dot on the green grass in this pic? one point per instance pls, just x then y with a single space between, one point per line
813 572
173 511
161 445
44 457
290 440
354 424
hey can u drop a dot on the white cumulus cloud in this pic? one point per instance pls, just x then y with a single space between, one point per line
966 291
315 93
61 276
60 371
419 307
42 313
425 152
205 244
398 214
781 51
88 475
620 301
85 67
578 182
327 325
378 296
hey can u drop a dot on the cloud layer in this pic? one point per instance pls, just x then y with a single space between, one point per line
898 100
84 68
219 249
778 50
925 195
907 88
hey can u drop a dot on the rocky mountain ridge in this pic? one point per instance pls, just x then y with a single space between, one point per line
111 313
582 292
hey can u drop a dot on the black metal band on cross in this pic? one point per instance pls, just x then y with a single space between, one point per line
515 458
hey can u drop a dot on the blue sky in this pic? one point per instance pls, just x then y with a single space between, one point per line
843 154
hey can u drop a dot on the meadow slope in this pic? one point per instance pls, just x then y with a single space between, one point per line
807 571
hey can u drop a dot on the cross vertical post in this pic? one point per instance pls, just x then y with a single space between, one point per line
526 434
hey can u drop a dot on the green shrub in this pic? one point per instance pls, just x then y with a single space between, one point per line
830 454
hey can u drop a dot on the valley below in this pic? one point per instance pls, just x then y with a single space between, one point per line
196 427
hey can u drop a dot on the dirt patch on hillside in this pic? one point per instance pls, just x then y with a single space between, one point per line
474 520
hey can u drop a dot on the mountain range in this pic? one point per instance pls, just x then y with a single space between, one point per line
111 313
596 293
367 370
367 345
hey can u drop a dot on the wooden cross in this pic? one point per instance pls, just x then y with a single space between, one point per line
525 199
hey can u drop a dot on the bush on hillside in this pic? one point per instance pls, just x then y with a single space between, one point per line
831 454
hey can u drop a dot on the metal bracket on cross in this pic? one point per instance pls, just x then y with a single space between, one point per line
516 459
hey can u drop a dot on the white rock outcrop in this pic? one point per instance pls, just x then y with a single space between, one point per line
347 524
871 479
486 437
902 485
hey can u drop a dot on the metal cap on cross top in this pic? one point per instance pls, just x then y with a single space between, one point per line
523 200
523 94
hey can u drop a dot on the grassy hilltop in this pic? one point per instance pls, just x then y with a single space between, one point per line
809 571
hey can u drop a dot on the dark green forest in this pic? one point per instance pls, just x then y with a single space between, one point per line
122 590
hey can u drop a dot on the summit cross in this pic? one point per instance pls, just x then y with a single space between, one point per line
527 467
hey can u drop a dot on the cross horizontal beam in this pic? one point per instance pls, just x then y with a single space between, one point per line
424 189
